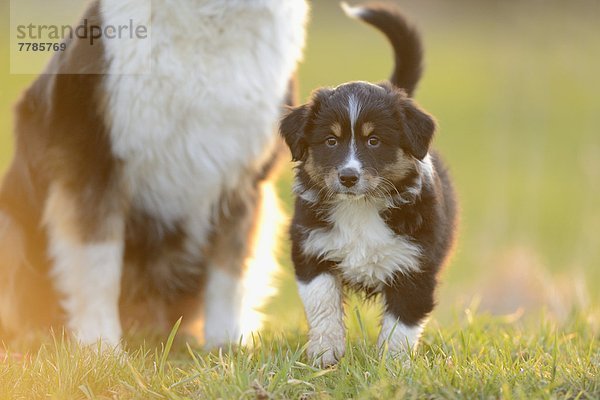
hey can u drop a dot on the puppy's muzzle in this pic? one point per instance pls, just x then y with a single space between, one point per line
348 177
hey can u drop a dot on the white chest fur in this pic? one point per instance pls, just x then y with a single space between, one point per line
366 249
206 112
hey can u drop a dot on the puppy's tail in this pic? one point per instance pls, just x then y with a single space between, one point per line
402 35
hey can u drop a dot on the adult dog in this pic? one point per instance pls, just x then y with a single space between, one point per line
141 167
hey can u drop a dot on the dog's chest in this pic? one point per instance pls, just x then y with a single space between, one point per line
203 113
366 250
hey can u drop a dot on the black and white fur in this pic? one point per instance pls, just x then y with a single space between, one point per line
375 209
136 193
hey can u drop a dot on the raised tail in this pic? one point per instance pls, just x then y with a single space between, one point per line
402 35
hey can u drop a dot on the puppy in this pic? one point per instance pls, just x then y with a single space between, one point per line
375 208
141 172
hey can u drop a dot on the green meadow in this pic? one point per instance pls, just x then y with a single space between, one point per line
515 88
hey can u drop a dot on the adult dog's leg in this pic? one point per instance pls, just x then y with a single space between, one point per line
241 264
241 259
86 239
227 253
27 301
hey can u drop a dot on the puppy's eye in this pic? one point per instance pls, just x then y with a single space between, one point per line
331 142
373 141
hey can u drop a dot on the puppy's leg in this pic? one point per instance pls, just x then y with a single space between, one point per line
399 336
86 239
322 298
408 302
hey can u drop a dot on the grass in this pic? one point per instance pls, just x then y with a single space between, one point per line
514 87
479 356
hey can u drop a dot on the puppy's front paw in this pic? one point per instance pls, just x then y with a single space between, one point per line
326 351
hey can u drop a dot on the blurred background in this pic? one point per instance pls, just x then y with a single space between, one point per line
515 87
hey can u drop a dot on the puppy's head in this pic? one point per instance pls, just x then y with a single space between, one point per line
357 139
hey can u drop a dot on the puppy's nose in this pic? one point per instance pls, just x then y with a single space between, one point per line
348 177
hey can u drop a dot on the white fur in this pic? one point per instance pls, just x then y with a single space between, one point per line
86 273
354 108
352 162
192 126
427 170
207 111
367 250
398 336
309 195
223 304
89 277
352 11
426 175
322 298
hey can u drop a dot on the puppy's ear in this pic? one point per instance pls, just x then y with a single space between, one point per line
418 128
292 128
298 121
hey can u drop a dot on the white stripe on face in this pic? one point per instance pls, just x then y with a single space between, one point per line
354 108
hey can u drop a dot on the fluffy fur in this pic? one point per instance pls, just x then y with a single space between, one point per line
322 298
375 208
135 187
